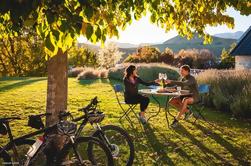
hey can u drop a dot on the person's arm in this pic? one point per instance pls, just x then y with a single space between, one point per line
184 83
146 83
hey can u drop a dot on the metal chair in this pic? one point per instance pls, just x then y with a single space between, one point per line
119 92
203 91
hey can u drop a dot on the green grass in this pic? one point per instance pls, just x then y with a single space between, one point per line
228 142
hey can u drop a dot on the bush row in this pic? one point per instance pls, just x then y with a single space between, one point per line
147 72
230 91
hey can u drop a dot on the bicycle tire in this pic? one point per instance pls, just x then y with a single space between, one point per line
7 157
4 157
78 143
126 136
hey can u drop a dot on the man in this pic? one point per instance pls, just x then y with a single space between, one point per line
188 82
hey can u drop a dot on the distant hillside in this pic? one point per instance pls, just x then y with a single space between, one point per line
177 43
235 35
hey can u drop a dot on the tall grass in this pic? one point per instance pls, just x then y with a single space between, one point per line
230 90
147 72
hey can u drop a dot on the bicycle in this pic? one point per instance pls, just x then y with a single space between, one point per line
73 147
108 134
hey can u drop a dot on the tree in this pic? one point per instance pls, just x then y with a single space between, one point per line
79 56
59 22
22 55
109 56
227 60
144 54
200 59
167 56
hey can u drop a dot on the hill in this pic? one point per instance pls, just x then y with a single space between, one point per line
177 43
235 35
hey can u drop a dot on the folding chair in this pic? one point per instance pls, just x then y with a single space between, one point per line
119 92
203 90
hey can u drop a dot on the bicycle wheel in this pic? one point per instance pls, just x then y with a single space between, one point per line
98 155
4 157
23 147
119 142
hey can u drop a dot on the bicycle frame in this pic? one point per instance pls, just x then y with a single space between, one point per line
13 141
98 128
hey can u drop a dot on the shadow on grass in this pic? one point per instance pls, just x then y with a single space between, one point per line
236 152
92 81
23 82
157 146
174 147
208 152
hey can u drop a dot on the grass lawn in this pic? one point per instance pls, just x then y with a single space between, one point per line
228 142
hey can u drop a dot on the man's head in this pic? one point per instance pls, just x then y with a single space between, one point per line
184 70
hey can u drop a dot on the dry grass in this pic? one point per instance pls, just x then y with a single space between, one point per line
230 90
90 73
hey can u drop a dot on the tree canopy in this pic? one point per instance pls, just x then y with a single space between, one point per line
60 22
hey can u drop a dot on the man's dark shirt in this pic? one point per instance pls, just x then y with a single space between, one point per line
189 83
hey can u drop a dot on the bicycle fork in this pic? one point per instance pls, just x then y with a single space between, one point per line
75 150
103 137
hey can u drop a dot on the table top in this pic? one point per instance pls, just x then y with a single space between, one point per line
154 92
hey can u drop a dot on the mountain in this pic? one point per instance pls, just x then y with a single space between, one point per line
235 35
125 45
177 43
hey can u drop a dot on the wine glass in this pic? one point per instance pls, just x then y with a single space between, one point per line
165 76
160 76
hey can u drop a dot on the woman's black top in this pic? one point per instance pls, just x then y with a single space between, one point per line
131 89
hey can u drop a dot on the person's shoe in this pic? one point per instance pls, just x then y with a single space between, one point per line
188 114
142 119
175 123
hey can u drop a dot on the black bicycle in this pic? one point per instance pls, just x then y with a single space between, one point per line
115 138
28 152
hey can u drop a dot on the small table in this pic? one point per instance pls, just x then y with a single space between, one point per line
153 93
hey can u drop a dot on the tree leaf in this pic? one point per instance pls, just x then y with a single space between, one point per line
89 31
48 43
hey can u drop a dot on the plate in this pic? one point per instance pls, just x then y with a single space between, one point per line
169 90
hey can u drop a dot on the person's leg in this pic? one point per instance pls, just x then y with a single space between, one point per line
144 101
176 102
185 102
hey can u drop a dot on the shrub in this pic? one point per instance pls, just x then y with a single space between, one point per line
74 72
147 72
104 73
89 73
230 90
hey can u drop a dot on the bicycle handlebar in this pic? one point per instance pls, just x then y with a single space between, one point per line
93 103
41 115
9 119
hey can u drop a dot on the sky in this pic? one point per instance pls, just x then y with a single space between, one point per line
143 31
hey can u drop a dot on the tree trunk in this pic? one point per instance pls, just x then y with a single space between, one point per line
56 97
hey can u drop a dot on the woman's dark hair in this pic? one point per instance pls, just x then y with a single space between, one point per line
186 67
129 71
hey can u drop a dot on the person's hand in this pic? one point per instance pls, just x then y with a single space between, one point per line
168 81
157 81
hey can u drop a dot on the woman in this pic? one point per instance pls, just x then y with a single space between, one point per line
131 82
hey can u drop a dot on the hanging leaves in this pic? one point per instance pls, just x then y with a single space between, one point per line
58 22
